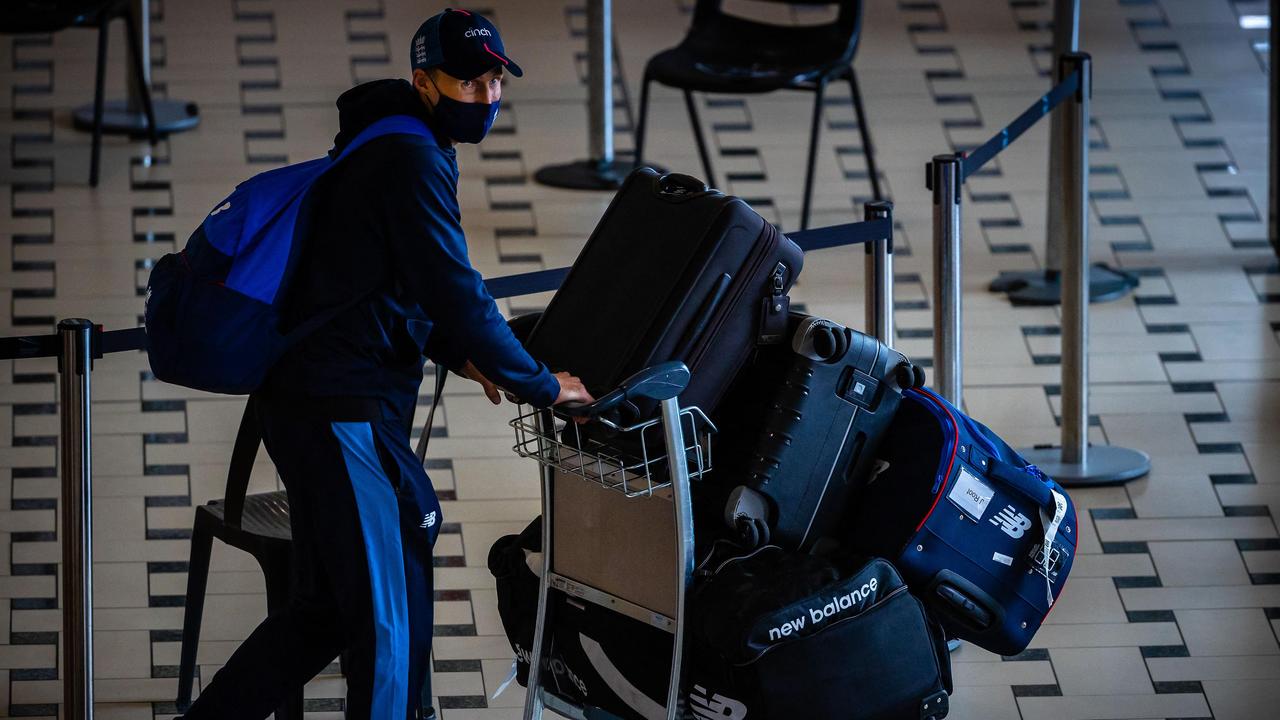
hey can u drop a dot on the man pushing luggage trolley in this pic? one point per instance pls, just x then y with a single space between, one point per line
378 253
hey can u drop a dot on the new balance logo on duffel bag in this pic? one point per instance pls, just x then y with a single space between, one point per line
855 600
706 706
1013 523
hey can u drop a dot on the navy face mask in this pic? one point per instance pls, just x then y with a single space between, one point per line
463 121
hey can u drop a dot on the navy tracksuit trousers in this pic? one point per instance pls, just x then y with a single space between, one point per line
364 519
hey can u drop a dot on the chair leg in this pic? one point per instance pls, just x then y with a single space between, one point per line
641 126
814 131
197 582
140 75
868 151
276 571
697 135
99 79
428 710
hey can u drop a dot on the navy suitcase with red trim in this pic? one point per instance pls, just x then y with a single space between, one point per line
984 538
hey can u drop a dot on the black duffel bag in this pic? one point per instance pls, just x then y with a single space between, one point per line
776 633
773 635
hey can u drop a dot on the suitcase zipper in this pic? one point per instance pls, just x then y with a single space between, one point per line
878 604
737 298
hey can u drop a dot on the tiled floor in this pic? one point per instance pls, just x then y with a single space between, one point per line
1173 607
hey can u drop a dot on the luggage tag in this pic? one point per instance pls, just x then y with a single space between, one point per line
1051 532
970 494
773 319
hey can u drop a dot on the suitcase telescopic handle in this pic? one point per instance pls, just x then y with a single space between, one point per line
658 382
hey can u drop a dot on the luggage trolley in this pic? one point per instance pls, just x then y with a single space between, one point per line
614 494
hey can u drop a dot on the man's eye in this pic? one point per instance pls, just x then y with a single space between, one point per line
468 84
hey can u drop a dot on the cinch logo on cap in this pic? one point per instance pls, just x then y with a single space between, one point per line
477 32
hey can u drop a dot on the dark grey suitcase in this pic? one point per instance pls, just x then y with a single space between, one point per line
800 431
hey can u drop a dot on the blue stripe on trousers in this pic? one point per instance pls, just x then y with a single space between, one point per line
380 525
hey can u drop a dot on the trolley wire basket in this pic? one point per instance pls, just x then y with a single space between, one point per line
635 464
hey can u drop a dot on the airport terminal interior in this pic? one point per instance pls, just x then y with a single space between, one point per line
1173 607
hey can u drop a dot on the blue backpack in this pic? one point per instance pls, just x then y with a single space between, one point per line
213 310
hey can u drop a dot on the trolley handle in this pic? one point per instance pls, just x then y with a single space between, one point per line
658 382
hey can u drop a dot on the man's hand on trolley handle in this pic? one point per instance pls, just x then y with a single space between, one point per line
571 388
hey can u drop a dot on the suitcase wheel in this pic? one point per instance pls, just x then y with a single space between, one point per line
909 375
747 514
918 372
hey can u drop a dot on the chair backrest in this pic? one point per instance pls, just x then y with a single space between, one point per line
243 455
42 16
848 20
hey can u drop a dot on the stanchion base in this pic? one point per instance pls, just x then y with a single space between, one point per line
117 119
1103 465
587 174
1043 287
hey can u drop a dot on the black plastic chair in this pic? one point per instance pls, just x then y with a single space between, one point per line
257 524
20 17
728 54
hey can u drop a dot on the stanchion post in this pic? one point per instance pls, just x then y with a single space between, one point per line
600 79
1044 287
74 368
879 275
1273 149
948 364
1074 143
1066 39
1077 463
600 171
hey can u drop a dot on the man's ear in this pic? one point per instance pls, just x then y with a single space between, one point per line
426 90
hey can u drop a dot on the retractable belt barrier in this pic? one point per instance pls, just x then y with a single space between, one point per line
872 231
975 159
1076 462
79 342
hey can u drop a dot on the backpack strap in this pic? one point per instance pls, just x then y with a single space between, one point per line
389 125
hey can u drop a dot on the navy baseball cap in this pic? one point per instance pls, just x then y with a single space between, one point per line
462 43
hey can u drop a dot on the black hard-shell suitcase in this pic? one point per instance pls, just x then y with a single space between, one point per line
800 429
673 271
